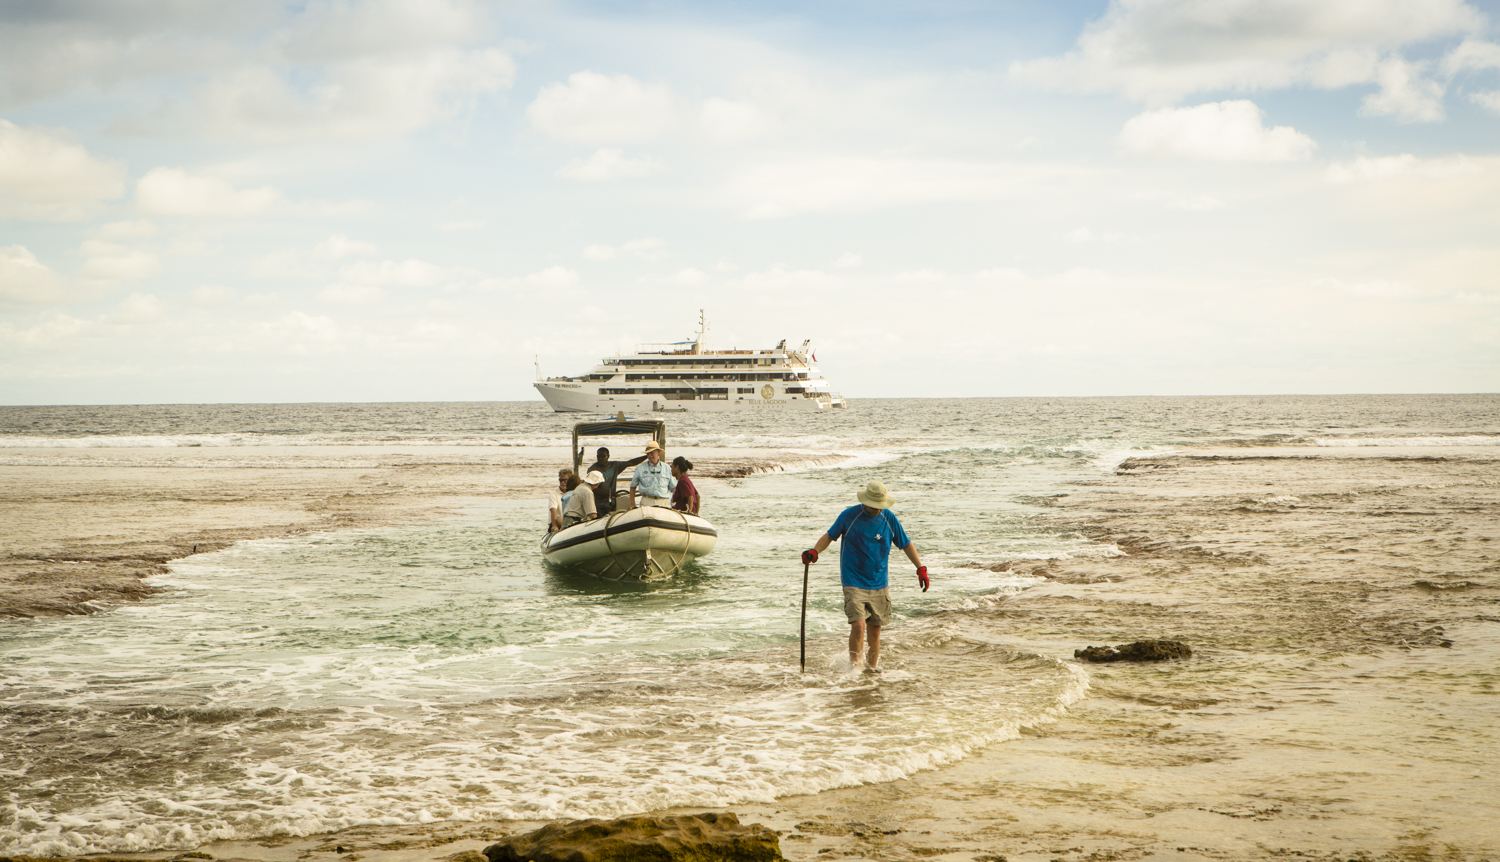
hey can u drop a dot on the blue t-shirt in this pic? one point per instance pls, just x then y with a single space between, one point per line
864 557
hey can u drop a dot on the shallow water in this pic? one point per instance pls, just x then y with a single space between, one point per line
442 671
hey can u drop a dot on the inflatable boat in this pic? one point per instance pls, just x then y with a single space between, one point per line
645 544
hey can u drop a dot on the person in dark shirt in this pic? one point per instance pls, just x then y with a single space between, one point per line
685 495
604 495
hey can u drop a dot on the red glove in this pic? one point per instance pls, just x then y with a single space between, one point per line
922 578
809 556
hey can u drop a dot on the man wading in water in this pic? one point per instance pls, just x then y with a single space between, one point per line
868 531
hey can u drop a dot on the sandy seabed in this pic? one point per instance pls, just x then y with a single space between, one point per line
1343 701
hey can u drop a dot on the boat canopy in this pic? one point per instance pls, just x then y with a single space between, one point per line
656 429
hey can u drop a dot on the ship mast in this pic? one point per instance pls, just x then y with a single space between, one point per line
698 345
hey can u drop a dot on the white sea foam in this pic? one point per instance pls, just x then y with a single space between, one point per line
341 692
1415 441
214 441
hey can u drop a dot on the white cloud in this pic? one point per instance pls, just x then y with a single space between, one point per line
1162 50
730 122
1472 55
779 278
553 277
646 248
778 190
848 260
1007 275
211 295
173 192
1490 100
601 109
690 277
1374 289
919 276
379 28
137 308
391 273
1404 166
23 278
365 98
463 224
133 229
302 334
50 332
45 177
108 261
1220 131
338 247
351 294
331 69
54 47
1198 203
1405 93
608 164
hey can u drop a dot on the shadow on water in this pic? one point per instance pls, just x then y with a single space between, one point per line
562 581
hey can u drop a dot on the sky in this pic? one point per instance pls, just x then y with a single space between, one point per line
428 200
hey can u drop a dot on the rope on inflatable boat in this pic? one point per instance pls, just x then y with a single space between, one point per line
614 561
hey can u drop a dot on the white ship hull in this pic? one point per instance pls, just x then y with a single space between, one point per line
586 401
686 377
644 544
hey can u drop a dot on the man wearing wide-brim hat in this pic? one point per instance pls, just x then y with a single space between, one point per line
653 479
868 531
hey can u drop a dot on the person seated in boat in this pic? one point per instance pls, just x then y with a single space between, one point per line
685 495
604 497
652 479
581 505
567 480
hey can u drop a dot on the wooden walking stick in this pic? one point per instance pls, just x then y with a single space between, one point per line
805 567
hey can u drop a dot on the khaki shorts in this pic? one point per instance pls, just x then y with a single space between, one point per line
872 605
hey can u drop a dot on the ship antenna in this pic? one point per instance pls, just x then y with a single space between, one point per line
702 330
537 361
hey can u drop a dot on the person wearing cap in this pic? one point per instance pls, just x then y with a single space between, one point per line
604 495
581 505
868 531
653 479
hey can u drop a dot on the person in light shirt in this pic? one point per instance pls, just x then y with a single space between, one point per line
653 480
581 505
567 480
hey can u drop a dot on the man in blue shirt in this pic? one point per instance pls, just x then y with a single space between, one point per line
868 532
653 479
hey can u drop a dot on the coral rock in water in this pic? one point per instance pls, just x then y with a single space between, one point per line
682 838
1138 651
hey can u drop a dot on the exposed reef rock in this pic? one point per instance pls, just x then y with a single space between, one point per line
1138 651
708 837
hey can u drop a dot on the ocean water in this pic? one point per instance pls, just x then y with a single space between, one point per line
443 672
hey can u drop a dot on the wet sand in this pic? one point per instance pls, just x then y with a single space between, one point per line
1341 703
1343 700
86 528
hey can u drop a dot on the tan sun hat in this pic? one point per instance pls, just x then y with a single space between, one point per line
876 496
593 477
654 445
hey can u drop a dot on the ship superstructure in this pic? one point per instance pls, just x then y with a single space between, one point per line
686 376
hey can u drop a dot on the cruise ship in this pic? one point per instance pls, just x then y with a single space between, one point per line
687 377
